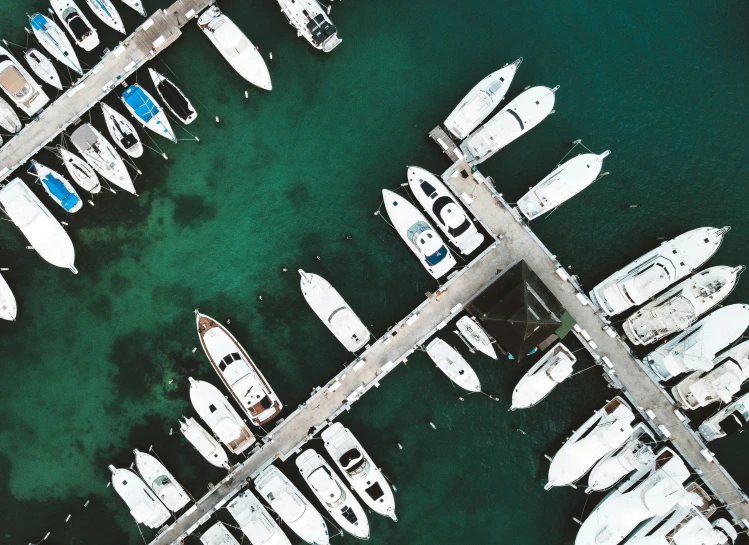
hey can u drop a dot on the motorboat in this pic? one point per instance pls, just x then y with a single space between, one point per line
80 171
335 497
204 443
75 22
220 416
108 14
554 367
58 188
634 455
514 120
334 312
237 371
254 520
53 39
696 347
604 432
122 131
655 271
312 22
684 525
418 234
147 112
144 506
727 421
440 204
163 483
136 5
8 307
481 101
100 154
8 118
679 307
470 330
38 225
43 67
18 84
218 535
566 181
174 98
293 508
235 47
357 467
453 365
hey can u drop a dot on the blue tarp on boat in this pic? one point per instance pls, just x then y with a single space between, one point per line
58 190
39 22
143 106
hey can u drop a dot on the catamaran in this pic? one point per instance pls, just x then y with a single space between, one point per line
79 170
105 11
204 443
136 5
100 154
144 505
147 112
254 520
312 22
727 421
174 98
470 330
75 22
53 39
217 412
8 307
634 455
8 118
450 362
43 68
58 188
163 483
18 84
543 377
122 131
218 535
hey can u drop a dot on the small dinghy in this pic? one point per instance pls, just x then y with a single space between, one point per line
53 39
204 443
122 131
58 188
79 170
8 118
474 334
8 308
174 99
43 68
453 365
136 5
542 378
75 22
100 154
147 112
105 11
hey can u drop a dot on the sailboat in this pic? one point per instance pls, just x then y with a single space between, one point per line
58 188
105 11
163 483
147 112
122 131
217 412
18 84
470 330
136 5
8 307
174 98
43 68
450 362
144 506
204 443
100 154
255 521
75 22
8 118
80 171
53 39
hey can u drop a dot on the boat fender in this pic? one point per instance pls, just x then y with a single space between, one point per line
197 139
270 55
91 202
432 424
216 119
165 156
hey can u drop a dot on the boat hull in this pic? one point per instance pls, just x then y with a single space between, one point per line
53 39
8 306
107 13
453 365
174 98
102 157
43 68
80 171
122 132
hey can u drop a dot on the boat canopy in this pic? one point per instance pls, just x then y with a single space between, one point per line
39 22
58 190
84 137
143 106
13 81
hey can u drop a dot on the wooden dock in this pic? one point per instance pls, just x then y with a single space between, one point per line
446 143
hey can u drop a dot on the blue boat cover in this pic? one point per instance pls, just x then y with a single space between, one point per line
39 21
58 190
143 106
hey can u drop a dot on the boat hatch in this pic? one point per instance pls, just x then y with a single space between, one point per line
428 189
39 22
494 87
320 29
375 491
349 515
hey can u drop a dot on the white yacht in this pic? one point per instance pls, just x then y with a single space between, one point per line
204 443
679 307
100 154
449 216
218 535
163 483
144 506
696 347
543 377
107 13
173 97
53 39
58 188
418 234
634 455
605 431
122 131
311 21
235 47
38 225
514 120
334 312
43 67
75 22
8 118
333 494
293 508
220 416
8 307
359 470
18 84
474 334
453 365
136 5
652 273
254 520
481 101
147 111
80 171
237 371
727 421
683 526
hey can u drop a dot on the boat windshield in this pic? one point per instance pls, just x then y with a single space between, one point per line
437 256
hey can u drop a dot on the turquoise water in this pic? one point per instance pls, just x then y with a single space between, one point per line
87 368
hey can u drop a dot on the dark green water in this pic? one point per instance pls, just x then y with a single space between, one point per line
285 177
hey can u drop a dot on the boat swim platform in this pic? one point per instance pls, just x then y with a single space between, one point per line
154 35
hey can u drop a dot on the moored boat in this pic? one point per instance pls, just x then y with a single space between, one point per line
147 112
58 188
80 171
470 330
217 412
204 443
174 98
634 455
218 535
136 5
450 362
543 377
108 14
163 483
8 306
53 39
8 118
75 22
100 154
727 421
254 520
144 506
43 67
312 22
122 131
18 84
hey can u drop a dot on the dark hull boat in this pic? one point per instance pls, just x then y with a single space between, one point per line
174 99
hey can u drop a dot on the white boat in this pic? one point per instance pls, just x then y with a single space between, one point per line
163 483
335 497
53 39
18 84
254 520
80 171
655 271
100 154
143 504
58 188
293 508
136 5
453 365
8 307
75 22
604 432
218 535
38 225
543 377
481 101
334 312
174 98
217 412
727 421
237 371
8 118
204 443
440 204
696 347
312 22
679 307
566 181
43 67
474 334
147 111
364 477
684 525
514 120
122 131
108 14
235 47
634 455
418 234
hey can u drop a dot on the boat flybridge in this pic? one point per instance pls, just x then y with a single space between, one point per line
122 131
566 181
204 443
634 455
481 101
652 273
235 47
359 470
43 68
80 171
254 520
514 120
470 330
38 225
450 362
53 39
334 312
144 506
163 483
57 187
75 22
678 308
218 535
312 22
548 372
293 508
147 111
136 5
18 84
107 13
99 153
333 494
696 347
237 371
8 306
173 97
684 525
727 421
604 432
418 234
8 118
440 204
